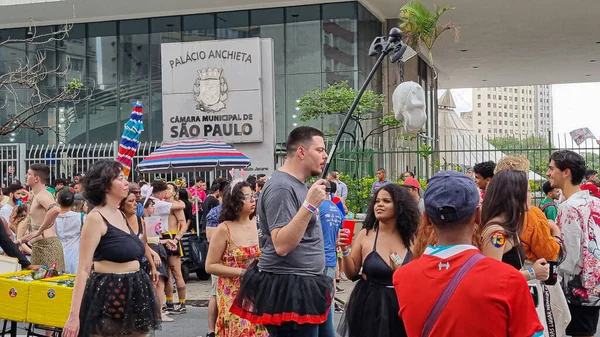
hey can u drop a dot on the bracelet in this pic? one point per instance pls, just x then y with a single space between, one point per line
531 274
309 206
346 253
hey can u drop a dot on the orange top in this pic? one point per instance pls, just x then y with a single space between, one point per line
536 237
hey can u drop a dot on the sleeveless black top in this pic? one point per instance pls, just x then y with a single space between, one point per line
514 256
377 270
119 246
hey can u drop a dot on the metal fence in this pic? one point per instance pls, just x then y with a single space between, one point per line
67 160
450 153
458 153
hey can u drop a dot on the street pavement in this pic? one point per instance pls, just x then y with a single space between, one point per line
193 324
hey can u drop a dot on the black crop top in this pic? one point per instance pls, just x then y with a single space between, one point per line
376 269
118 246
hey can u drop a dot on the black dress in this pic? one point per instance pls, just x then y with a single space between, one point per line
372 309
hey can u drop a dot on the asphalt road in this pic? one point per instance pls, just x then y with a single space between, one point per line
192 324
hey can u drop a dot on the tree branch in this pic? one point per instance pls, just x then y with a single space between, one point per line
28 75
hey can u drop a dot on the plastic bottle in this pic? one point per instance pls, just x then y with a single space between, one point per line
41 273
52 271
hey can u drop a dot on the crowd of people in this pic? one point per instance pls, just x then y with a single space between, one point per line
466 255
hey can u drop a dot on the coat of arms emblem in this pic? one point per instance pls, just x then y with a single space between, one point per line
210 90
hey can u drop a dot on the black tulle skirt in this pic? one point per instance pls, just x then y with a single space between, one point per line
372 310
162 252
119 305
277 299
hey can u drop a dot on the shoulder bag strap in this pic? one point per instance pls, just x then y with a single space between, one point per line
441 302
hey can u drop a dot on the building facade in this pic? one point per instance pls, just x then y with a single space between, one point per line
315 45
511 111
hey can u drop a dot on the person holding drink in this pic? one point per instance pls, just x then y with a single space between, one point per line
117 298
331 222
382 246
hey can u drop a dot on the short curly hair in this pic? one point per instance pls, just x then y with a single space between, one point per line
485 169
518 163
406 210
98 179
233 201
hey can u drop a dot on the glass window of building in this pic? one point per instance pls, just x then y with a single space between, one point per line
269 23
303 39
233 25
198 27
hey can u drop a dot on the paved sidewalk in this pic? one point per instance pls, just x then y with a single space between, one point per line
198 292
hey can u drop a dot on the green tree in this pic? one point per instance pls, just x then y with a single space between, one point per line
419 26
336 99
536 149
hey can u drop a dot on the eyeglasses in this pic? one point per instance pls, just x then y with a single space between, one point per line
249 197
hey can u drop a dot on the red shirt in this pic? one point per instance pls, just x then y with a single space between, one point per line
492 300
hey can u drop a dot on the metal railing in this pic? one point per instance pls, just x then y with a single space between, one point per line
67 160
456 152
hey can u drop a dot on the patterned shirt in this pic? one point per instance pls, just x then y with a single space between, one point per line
578 219
212 219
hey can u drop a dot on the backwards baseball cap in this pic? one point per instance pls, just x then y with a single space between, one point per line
412 182
450 196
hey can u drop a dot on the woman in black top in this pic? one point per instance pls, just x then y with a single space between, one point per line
116 298
381 247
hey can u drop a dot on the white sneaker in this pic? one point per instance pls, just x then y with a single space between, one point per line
166 318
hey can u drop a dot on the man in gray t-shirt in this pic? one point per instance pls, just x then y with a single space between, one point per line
288 194
288 287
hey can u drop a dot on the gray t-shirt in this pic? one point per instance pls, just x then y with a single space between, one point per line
280 200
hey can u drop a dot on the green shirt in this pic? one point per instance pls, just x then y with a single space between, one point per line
550 210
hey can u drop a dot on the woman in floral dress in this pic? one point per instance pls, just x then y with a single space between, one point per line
233 247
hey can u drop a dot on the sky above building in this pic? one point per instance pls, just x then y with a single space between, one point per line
573 106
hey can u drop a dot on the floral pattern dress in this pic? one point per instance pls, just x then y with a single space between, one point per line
228 324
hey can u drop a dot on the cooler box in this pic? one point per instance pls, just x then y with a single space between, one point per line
50 302
14 297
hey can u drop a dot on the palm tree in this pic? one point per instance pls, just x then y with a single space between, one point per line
420 25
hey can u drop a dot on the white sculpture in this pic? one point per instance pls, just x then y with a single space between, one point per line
408 103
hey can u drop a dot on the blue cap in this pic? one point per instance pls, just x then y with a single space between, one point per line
450 196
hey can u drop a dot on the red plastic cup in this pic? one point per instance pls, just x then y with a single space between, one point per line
349 225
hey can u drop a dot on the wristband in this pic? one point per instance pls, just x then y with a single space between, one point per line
346 253
531 274
309 206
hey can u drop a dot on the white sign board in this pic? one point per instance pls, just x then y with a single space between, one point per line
222 90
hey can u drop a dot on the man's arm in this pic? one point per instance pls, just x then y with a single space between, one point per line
280 206
52 211
344 191
177 206
181 224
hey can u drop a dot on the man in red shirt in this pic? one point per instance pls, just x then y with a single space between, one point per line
492 299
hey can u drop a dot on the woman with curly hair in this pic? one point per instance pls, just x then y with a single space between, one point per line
233 247
382 246
116 298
